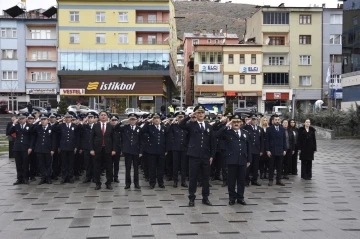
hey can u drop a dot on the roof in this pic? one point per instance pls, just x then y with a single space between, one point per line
210 35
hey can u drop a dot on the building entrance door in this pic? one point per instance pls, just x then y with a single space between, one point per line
242 104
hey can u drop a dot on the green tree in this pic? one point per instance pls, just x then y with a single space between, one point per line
62 107
229 108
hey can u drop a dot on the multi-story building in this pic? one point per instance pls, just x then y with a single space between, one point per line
117 54
212 57
332 53
292 58
28 57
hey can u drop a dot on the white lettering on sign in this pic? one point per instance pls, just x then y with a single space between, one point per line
209 67
117 86
249 69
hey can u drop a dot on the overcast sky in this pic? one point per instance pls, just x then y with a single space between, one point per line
33 4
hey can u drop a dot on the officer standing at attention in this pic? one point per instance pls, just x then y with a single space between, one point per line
56 165
85 146
201 150
238 157
22 148
69 141
44 141
116 158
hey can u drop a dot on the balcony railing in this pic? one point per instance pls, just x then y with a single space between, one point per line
40 80
152 21
41 60
152 42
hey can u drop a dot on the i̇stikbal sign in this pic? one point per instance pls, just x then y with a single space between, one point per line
209 67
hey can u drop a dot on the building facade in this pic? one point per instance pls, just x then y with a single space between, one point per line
117 54
28 59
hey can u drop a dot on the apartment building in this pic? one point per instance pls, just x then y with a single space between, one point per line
117 52
28 42
292 59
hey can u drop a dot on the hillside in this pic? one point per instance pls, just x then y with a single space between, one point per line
212 16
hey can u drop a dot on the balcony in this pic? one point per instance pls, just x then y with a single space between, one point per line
41 42
152 21
43 63
276 68
275 28
276 48
151 42
152 17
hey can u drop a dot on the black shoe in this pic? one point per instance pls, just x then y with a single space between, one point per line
137 186
175 185
231 202
161 186
152 186
98 187
127 186
48 181
26 181
77 178
87 180
184 185
42 181
146 180
32 179
62 181
17 182
242 202
247 184
224 184
169 179
116 180
280 183
199 185
261 176
270 183
191 203
71 180
206 202
54 178
108 186
255 183
286 177
266 176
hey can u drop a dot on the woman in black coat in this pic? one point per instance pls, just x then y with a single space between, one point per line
293 163
307 148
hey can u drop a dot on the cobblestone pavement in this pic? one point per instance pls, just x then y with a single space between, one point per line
326 207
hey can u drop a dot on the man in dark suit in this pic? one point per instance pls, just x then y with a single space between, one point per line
201 150
85 146
103 145
238 157
22 148
276 149
256 138
68 145
156 150
116 158
131 145
44 144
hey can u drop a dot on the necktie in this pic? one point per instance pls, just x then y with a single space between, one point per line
44 127
103 132
237 133
201 127
158 127
68 126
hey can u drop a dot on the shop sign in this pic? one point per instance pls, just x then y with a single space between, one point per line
41 91
72 91
208 94
250 69
277 96
209 67
231 93
110 86
146 97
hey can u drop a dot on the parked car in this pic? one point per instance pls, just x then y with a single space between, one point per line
190 109
83 109
35 108
136 111
279 110
240 111
178 109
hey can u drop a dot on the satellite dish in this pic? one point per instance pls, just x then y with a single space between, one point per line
267 41
220 31
166 39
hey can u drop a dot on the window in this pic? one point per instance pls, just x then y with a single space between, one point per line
305 60
219 58
335 39
253 58
8 54
278 18
276 60
9 75
212 59
74 16
195 42
253 79
215 78
355 21
40 55
276 78
151 18
231 59
74 38
305 19
304 39
40 76
336 58
8 33
216 41
335 79
242 58
123 17
100 38
100 16
336 19
305 81
123 38
276 40
242 79
209 41
40 34
231 79
152 40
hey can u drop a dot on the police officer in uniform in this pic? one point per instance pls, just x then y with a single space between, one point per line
85 146
69 141
116 157
22 148
56 165
238 157
179 142
201 150
44 141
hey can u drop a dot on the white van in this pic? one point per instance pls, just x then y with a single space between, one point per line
279 110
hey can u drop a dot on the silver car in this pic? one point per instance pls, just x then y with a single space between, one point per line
83 109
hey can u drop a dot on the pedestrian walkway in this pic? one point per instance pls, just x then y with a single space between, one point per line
326 207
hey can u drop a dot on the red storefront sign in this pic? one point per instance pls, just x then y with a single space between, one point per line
231 93
277 96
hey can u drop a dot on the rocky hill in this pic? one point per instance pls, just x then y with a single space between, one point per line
212 16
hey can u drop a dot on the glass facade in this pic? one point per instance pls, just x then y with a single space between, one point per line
80 61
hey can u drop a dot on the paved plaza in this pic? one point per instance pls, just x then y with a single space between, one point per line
326 207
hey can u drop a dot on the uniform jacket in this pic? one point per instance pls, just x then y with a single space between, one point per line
23 137
291 139
178 138
237 149
85 136
44 141
256 139
220 144
275 141
117 138
307 143
156 140
202 144
97 138
69 137
130 139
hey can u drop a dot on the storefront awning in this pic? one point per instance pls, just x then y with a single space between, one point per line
209 100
